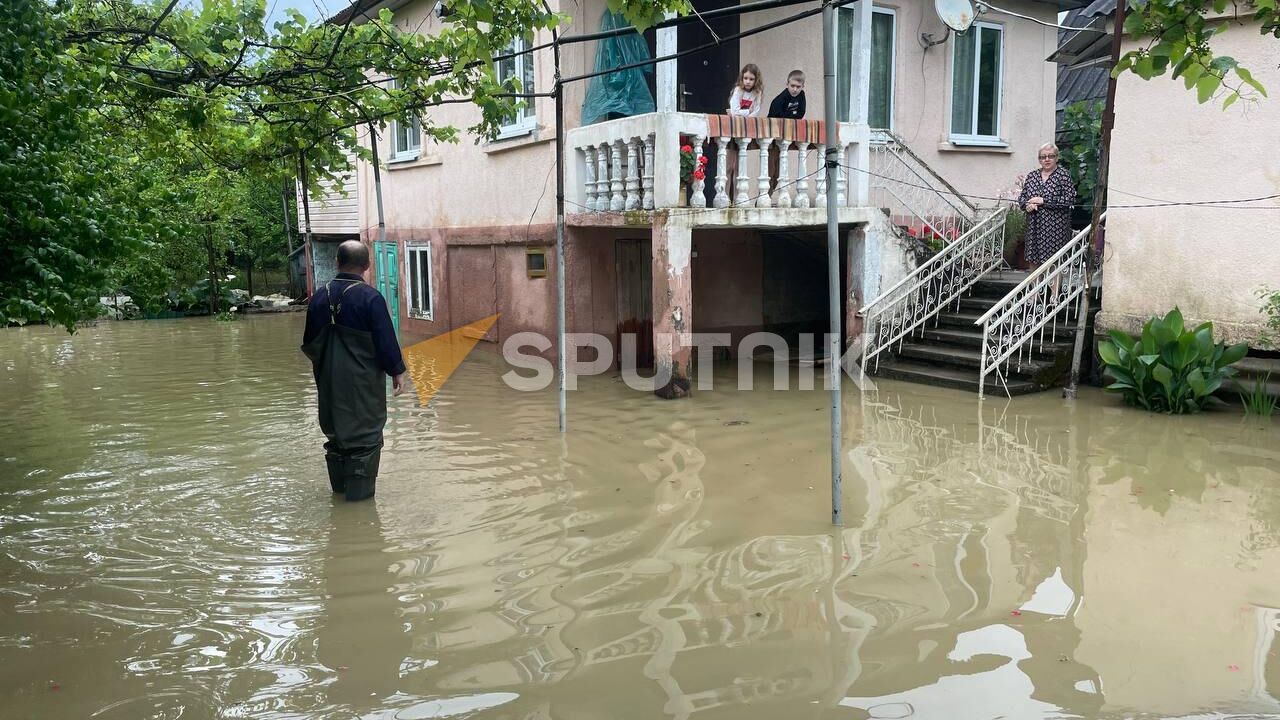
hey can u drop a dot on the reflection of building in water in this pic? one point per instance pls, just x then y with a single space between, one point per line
981 517
1182 572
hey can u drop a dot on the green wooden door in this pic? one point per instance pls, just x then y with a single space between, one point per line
387 255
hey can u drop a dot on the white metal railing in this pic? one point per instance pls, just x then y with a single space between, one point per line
1016 325
633 163
915 196
933 286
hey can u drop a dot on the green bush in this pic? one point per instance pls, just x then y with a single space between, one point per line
1169 368
1015 226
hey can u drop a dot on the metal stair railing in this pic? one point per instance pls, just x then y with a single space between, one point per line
932 287
1012 326
913 192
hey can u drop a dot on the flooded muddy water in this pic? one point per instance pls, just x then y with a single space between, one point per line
169 549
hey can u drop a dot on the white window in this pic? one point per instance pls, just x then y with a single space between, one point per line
516 74
418 273
881 79
406 138
977 77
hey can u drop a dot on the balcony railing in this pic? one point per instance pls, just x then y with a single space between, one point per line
633 164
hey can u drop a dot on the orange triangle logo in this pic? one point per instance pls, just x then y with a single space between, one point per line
431 362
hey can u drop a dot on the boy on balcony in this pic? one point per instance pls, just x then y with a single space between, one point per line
789 105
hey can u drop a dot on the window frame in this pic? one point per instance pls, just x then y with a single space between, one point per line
415 291
973 138
845 114
399 154
526 117
893 64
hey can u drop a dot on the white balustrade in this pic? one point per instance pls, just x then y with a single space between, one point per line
633 174
722 177
632 164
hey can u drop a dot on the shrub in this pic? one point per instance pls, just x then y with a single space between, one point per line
1169 368
1270 337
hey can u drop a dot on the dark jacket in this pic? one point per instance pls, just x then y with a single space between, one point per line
787 107
362 308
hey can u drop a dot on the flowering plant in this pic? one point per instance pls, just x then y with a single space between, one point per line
693 166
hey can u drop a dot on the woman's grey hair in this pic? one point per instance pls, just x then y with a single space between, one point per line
1047 146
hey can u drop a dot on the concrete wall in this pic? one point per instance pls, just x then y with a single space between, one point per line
1207 261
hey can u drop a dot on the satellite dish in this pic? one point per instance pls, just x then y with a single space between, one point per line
955 14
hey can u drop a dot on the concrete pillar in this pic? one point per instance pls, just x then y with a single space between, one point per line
865 248
672 306
666 72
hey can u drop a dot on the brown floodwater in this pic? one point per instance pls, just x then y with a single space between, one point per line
169 548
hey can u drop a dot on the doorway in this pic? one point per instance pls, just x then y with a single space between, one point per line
635 298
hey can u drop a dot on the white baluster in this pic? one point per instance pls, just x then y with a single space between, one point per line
590 178
698 188
633 174
821 199
602 178
763 200
841 181
802 176
743 187
784 174
617 201
722 177
647 201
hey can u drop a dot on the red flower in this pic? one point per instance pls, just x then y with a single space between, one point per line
686 148
699 174
702 159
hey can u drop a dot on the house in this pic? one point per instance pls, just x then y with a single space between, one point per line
927 117
1078 82
1208 260
333 218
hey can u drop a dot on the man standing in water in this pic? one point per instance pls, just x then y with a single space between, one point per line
352 347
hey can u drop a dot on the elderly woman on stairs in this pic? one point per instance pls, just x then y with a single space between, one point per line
1048 195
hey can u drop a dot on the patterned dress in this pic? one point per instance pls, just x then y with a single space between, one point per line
1049 227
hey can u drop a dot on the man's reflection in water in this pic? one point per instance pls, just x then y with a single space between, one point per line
361 637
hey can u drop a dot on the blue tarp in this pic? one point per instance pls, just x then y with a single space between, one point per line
625 92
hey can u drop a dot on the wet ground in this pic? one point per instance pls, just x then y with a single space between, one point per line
169 549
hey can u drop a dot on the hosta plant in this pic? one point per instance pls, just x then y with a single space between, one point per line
1169 368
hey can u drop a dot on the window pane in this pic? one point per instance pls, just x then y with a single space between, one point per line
844 60
401 138
415 299
881 104
424 260
962 82
415 135
526 62
989 83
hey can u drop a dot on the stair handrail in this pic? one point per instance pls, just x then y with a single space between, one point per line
1017 318
898 142
934 285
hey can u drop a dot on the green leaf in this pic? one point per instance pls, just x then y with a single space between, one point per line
1233 354
1206 86
1231 100
1196 380
1247 76
1164 376
1107 351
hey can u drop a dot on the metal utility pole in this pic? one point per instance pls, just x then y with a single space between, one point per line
1099 193
306 216
832 131
560 292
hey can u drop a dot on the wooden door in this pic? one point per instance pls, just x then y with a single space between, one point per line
635 298
473 287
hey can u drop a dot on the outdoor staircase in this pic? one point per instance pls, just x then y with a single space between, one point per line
947 352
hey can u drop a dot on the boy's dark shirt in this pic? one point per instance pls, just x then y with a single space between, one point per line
787 107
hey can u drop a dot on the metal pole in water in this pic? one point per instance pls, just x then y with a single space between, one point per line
560 299
833 249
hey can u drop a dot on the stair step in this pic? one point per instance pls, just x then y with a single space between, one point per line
998 284
973 339
959 356
967 319
979 304
949 377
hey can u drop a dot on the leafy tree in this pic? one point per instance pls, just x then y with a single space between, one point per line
1081 142
1179 35
104 102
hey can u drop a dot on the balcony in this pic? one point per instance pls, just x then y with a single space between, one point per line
621 172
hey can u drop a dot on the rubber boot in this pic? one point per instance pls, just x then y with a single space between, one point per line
362 474
337 479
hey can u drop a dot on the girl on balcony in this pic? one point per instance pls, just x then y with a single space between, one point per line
746 100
